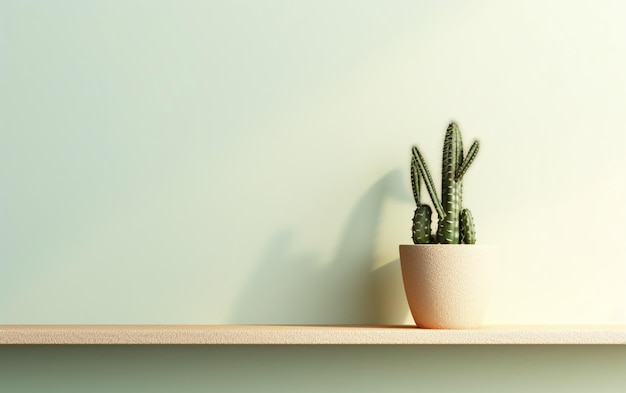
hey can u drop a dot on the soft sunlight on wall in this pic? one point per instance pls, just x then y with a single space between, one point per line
247 162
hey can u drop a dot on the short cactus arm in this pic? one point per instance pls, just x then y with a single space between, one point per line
428 180
468 231
421 225
467 161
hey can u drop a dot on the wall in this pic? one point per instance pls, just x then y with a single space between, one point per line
247 162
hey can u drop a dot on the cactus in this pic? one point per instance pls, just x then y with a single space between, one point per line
455 224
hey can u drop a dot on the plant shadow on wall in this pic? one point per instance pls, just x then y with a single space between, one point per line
296 287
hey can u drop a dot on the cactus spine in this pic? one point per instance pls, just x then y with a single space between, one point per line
455 224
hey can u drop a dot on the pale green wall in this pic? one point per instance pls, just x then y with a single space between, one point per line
246 162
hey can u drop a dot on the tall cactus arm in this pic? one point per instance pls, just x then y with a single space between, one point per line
448 229
415 181
428 181
468 231
459 161
423 213
467 161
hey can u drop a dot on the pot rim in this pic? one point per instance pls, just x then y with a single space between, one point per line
450 245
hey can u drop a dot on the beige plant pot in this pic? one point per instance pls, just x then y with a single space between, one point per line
448 286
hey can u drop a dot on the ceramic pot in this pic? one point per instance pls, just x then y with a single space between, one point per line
448 286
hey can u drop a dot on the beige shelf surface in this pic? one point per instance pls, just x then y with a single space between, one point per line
305 335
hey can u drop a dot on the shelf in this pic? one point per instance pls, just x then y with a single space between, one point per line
305 335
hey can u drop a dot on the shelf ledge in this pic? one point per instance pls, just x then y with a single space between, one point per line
304 335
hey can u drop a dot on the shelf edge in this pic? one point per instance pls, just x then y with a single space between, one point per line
305 335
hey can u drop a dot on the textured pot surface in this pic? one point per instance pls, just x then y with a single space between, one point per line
448 286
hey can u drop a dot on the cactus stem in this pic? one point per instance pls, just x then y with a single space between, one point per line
447 231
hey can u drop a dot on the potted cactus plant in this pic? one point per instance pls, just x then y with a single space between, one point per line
447 277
